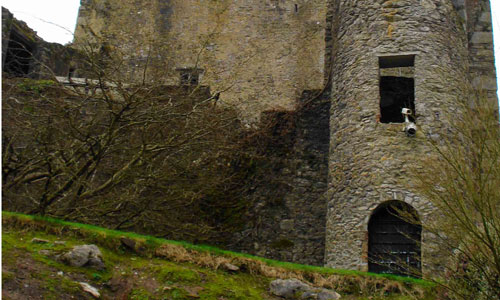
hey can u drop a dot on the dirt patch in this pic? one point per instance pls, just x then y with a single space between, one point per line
27 279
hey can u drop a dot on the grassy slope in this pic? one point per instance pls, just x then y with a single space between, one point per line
162 269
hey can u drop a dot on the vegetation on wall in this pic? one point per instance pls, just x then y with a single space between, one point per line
163 160
128 151
166 160
124 157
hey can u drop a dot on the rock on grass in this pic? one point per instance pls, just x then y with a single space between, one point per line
84 255
90 289
296 289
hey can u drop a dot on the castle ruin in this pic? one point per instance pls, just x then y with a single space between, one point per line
355 64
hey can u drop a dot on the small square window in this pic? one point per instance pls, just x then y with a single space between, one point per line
189 76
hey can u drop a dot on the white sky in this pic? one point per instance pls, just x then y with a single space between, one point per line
54 20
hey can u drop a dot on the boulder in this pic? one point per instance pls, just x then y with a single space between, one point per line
84 255
133 245
289 288
296 289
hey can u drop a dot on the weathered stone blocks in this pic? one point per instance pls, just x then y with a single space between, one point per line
343 163
369 161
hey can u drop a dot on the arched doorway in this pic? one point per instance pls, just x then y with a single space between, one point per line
394 235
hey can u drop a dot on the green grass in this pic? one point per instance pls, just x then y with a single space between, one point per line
241 287
112 236
176 273
156 277
140 294
35 86
52 286
6 276
179 277
12 242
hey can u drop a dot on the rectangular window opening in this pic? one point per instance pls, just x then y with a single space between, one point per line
190 76
397 88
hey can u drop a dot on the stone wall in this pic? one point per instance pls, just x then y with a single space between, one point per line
481 50
287 221
261 55
329 158
369 160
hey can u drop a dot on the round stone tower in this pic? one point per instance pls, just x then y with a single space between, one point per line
388 55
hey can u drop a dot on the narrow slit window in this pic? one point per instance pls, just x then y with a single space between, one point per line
397 88
296 8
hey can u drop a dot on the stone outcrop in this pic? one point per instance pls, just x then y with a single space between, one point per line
90 289
39 241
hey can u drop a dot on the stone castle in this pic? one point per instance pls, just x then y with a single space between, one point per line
354 65
361 61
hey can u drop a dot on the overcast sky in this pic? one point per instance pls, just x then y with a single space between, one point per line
54 20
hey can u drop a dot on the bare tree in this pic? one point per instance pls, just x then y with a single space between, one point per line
462 180
140 155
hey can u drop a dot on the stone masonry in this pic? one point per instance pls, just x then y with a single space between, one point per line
369 160
289 209
321 61
261 55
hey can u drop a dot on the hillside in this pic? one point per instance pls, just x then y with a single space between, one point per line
142 267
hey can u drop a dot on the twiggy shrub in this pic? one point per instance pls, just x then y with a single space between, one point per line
462 179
